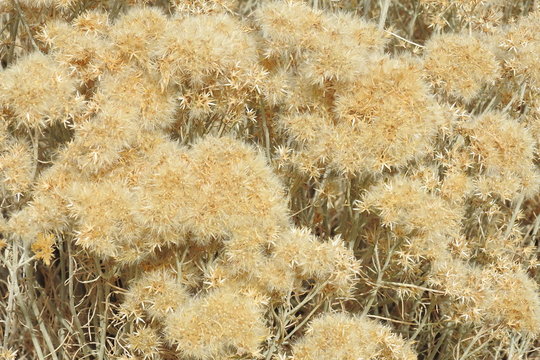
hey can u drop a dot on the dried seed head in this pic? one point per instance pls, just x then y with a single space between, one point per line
343 336
327 262
391 111
104 217
208 326
39 92
17 166
407 209
200 46
504 151
43 247
137 33
145 342
288 26
93 22
85 52
522 43
514 301
460 64
157 292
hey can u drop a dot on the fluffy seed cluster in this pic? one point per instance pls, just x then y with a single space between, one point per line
179 180
407 209
368 131
460 64
209 326
39 92
504 151
158 293
137 32
521 44
103 212
16 167
339 110
326 262
220 188
341 336
81 47
392 129
145 342
478 294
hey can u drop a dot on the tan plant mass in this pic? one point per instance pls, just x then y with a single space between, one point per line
341 180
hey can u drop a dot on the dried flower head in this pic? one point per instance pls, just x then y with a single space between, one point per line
195 7
460 64
327 262
137 94
17 165
43 247
38 92
93 22
340 52
198 47
209 326
165 183
522 43
87 54
288 26
515 302
237 190
343 336
391 110
407 209
464 283
145 342
157 292
504 296
105 220
128 103
47 212
504 151
137 33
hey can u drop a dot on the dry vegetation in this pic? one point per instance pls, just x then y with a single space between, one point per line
273 180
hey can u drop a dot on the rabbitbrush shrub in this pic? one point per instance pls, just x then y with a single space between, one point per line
322 180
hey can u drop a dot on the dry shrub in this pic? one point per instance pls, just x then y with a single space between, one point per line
269 180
